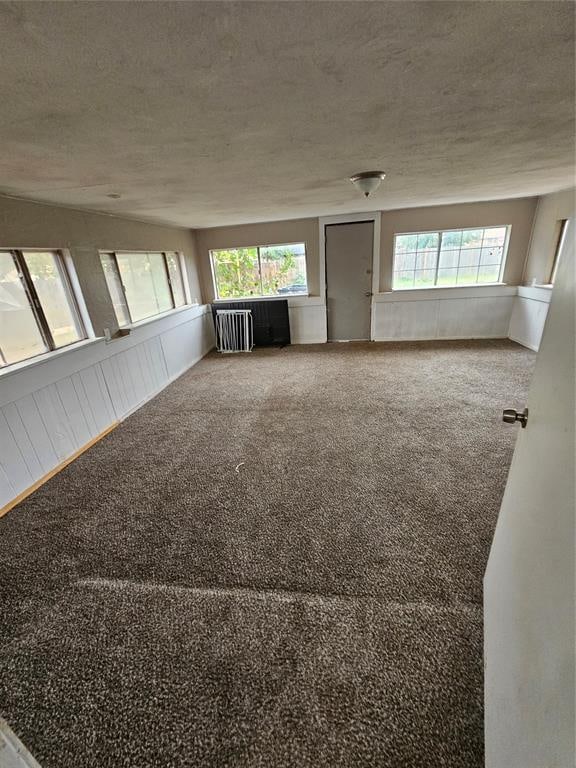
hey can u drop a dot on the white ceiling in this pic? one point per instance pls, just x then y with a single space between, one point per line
203 114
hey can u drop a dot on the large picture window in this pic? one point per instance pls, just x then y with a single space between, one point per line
450 257
38 312
264 270
143 284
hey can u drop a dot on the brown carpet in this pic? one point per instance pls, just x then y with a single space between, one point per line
277 563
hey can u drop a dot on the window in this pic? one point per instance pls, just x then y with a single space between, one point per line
265 270
559 246
37 310
449 258
143 284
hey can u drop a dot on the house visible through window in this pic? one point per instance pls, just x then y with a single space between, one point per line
559 245
38 312
143 284
450 257
265 270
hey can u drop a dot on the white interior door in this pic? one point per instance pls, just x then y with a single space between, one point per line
349 250
529 583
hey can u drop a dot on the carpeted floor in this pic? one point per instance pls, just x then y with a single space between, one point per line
276 563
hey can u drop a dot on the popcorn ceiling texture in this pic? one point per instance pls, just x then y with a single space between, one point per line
277 562
208 114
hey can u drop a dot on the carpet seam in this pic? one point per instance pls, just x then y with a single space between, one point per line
282 594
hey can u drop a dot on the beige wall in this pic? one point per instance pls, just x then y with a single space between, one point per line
549 214
518 213
33 225
28 224
267 233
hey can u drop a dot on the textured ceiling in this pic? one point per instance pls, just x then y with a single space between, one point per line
204 114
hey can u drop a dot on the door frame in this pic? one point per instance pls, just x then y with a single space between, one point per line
352 218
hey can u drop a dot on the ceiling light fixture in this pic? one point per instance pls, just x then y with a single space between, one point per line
367 181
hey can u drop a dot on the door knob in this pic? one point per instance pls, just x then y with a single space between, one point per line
510 416
368 293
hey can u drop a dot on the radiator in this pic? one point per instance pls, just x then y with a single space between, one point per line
234 330
271 323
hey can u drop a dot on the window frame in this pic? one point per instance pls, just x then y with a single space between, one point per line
562 229
440 233
18 256
260 296
179 260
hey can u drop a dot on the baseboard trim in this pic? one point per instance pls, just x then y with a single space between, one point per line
522 343
58 468
441 338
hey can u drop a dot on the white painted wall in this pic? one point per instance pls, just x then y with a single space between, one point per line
443 313
529 314
515 312
52 407
307 320
529 587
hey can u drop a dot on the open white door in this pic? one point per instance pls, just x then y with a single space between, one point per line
529 585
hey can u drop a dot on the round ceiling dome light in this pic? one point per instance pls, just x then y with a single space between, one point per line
368 181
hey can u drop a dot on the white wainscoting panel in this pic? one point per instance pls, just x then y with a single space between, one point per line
131 380
474 318
398 320
443 313
307 321
182 347
54 406
13 462
529 316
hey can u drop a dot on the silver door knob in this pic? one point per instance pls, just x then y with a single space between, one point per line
510 416
368 293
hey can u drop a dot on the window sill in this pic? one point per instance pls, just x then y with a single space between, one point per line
449 287
54 354
435 293
161 316
264 298
541 293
